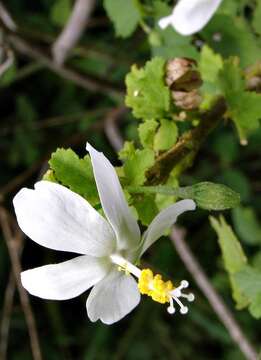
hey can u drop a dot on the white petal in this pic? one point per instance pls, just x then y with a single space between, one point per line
57 218
113 298
113 201
165 21
190 16
65 280
163 222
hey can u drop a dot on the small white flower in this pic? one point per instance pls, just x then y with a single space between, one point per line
57 218
190 16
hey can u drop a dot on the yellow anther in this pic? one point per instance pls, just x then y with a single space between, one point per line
154 286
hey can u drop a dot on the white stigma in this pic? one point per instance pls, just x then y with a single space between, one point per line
176 294
171 308
184 284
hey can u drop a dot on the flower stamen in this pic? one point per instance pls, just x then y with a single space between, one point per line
154 286
163 292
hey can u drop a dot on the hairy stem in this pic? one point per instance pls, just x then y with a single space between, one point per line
187 146
158 189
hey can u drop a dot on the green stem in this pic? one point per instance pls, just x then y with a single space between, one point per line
166 190
145 27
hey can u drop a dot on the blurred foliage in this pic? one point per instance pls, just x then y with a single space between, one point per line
41 111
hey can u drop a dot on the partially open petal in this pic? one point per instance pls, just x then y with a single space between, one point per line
163 222
113 201
57 218
165 21
65 280
190 16
113 298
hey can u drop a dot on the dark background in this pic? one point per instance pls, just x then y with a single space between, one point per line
41 111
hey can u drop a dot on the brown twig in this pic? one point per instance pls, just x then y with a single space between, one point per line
111 129
6 17
54 121
6 316
8 302
217 303
88 83
18 180
73 30
187 146
11 242
26 48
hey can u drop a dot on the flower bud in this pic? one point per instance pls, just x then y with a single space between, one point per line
181 75
253 77
187 100
211 196
183 79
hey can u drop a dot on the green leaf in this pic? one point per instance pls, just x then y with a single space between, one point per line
246 225
211 196
243 106
74 173
233 256
166 135
245 110
136 166
256 261
146 208
124 14
229 7
209 64
60 12
231 77
160 9
158 137
147 132
147 94
174 45
256 18
236 39
128 150
249 281
255 306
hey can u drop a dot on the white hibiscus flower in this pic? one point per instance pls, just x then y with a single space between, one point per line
59 219
190 16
